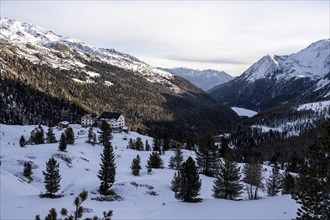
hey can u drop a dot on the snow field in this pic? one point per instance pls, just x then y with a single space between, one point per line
20 200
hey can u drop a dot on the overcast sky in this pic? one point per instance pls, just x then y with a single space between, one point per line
222 35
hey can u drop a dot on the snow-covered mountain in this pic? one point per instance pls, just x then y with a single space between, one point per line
31 39
302 76
68 75
204 79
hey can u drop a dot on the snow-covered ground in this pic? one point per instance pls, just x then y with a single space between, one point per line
244 111
20 199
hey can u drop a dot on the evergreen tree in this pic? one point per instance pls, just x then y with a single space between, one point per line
207 158
107 172
227 183
288 183
37 135
131 144
186 184
275 181
253 176
139 144
136 166
50 136
155 161
149 169
313 183
52 177
78 212
176 160
91 136
69 135
105 133
27 172
157 145
148 147
62 145
166 144
22 141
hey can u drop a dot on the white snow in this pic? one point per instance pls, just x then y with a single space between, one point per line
108 83
312 62
20 34
244 111
315 106
20 200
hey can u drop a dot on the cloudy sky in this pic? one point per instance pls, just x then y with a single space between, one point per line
222 35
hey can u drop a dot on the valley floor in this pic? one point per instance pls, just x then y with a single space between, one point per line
20 199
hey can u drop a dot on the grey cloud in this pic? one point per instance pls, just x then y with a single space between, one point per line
219 60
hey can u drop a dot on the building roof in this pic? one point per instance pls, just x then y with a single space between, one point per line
111 115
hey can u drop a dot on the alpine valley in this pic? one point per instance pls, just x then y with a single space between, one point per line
45 74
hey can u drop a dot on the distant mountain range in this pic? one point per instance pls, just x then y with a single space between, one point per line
273 80
46 77
204 79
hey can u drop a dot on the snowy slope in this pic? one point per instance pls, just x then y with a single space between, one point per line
31 40
20 200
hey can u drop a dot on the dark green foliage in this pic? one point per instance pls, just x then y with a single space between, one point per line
275 181
186 183
91 136
52 177
155 160
139 144
288 183
130 144
157 145
78 212
313 183
227 183
22 141
27 171
69 135
50 136
136 166
166 144
105 133
37 135
107 172
63 144
149 169
52 215
147 146
207 158
176 160
252 172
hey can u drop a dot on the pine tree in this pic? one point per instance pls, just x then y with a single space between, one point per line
166 144
176 160
130 144
207 158
69 135
313 183
52 177
37 135
22 141
105 133
186 184
136 166
253 177
27 172
155 161
157 145
62 145
50 136
139 144
107 172
288 183
227 183
275 181
77 213
91 136
148 147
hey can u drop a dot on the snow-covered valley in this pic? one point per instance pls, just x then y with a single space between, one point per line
20 199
